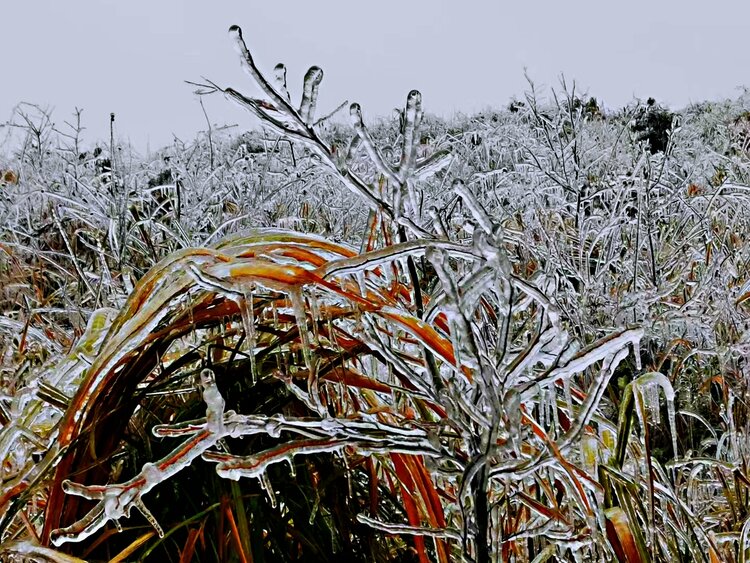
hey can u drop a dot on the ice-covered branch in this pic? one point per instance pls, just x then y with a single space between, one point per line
116 501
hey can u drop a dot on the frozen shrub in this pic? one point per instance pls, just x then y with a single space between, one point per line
653 125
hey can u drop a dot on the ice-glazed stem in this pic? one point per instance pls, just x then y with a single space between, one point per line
412 122
310 95
249 65
363 134
477 209
279 73
391 528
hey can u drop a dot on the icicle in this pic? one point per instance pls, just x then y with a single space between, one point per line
275 313
729 413
148 516
265 484
672 422
361 282
651 397
476 208
248 319
637 354
437 222
647 385
348 472
297 299
512 407
315 312
389 275
568 397
402 267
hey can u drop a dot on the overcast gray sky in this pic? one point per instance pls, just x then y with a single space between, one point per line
132 57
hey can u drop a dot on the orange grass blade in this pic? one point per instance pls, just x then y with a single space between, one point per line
621 537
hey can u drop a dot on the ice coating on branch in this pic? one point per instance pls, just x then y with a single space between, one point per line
116 501
437 221
477 210
273 426
131 327
432 165
491 249
249 65
31 552
594 396
455 310
364 137
67 375
609 346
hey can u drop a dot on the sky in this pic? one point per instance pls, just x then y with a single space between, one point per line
133 57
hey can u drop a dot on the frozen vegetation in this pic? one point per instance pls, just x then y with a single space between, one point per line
514 336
